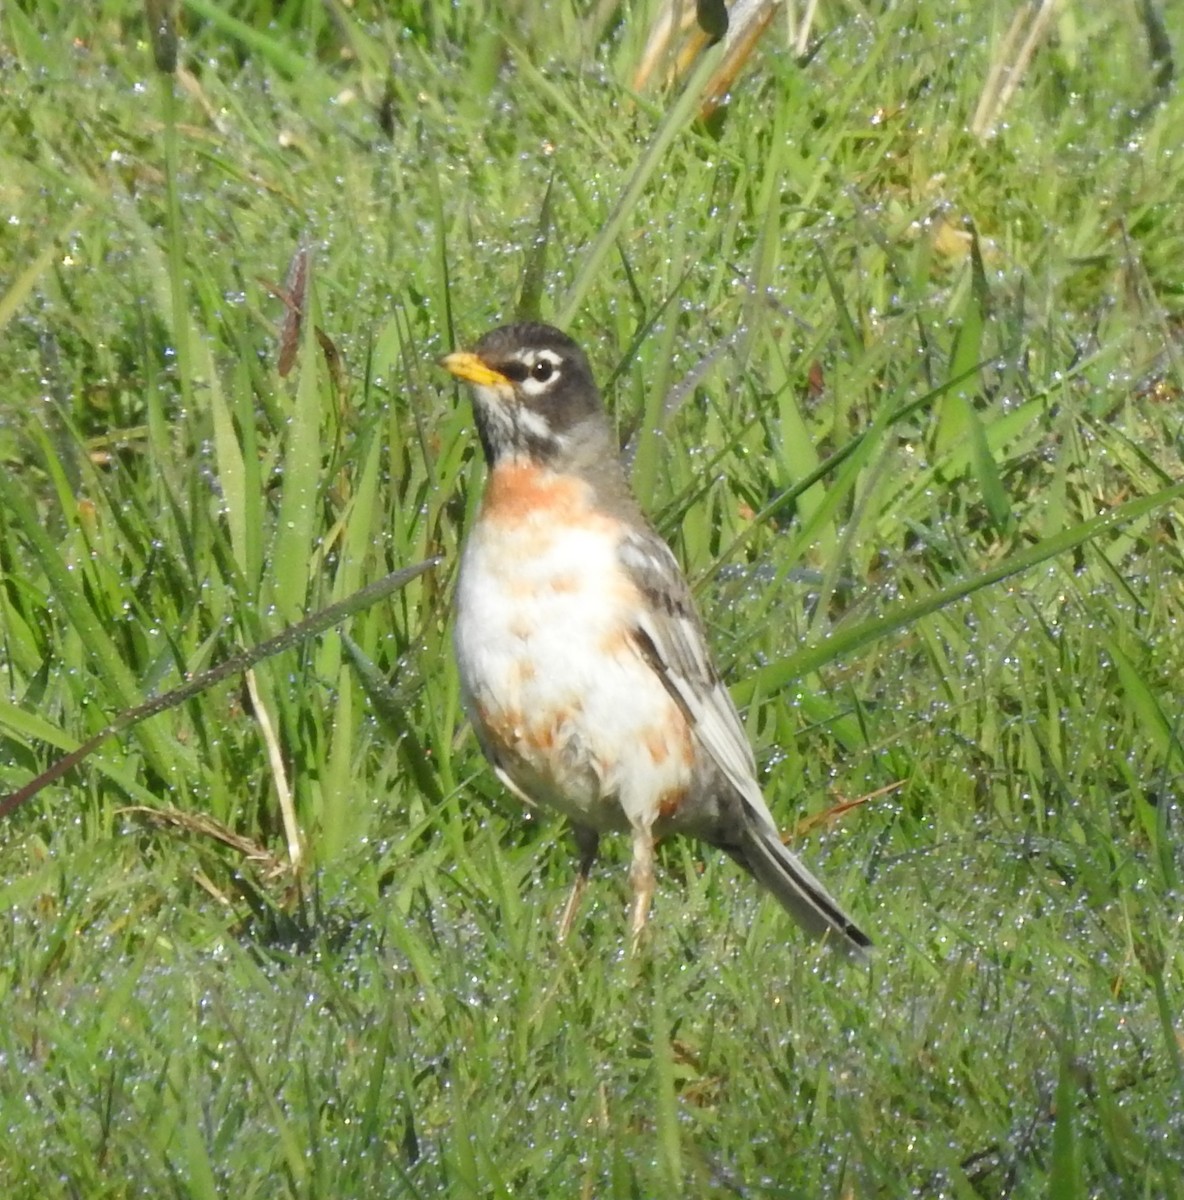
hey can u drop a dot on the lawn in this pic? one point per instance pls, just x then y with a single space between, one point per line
900 372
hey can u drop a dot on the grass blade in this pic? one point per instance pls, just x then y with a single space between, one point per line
847 641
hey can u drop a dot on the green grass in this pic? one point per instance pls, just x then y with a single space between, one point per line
889 387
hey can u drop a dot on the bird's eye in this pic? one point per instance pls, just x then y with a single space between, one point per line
542 370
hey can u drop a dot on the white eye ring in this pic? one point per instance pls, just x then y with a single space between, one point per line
543 368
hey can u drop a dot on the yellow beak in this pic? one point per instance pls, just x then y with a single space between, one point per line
467 366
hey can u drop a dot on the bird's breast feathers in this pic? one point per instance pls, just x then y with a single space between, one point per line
549 668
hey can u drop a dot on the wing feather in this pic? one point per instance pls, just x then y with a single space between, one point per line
669 636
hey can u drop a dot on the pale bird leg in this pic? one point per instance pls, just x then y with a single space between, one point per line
587 841
641 876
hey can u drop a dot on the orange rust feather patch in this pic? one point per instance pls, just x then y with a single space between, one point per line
517 490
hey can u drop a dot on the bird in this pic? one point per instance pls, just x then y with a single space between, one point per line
583 662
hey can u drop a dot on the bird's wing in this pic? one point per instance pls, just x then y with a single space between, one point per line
670 637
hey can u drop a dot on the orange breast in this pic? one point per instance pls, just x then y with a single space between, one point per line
518 491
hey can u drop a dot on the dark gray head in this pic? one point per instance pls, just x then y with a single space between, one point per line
534 397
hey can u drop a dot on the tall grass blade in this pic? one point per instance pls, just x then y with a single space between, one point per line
847 641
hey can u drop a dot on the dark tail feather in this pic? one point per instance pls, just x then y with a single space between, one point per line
800 894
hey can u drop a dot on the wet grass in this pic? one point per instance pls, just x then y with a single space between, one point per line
907 404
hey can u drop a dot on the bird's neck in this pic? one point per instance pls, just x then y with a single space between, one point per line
593 464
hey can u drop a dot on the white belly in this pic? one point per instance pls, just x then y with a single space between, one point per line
572 713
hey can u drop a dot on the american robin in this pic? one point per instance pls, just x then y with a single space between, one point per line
583 663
